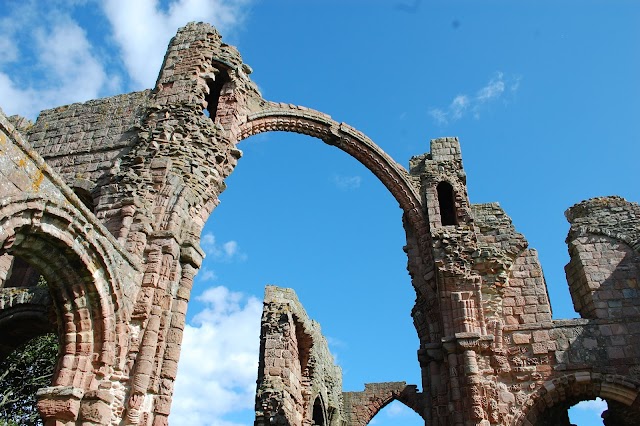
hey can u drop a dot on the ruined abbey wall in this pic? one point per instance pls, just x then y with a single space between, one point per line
297 374
107 200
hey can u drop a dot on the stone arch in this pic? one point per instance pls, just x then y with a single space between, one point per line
296 119
362 407
305 121
82 278
570 389
91 279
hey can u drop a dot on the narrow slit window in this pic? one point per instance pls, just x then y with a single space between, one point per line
446 200
215 89
318 413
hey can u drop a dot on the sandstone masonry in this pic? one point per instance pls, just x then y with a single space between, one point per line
107 200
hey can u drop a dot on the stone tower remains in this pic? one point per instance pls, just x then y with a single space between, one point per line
107 200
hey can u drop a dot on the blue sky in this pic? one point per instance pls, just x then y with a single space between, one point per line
543 95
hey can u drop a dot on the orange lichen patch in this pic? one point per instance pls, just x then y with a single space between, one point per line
22 162
38 180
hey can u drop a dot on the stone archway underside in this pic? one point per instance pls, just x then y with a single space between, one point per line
296 119
562 392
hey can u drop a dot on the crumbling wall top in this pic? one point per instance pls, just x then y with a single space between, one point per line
297 377
495 229
84 139
611 216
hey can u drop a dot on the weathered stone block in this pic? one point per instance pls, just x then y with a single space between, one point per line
521 338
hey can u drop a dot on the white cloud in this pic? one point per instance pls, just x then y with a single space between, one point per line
219 360
55 63
58 65
492 90
8 48
346 183
230 248
597 405
142 29
439 115
65 52
225 252
458 106
462 104
207 275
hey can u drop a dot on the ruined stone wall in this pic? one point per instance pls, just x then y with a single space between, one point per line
83 142
150 166
604 246
108 199
297 373
361 407
502 359
514 290
91 283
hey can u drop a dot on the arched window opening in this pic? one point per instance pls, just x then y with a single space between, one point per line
446 200
86 198
22 373
318 413
215 89
573 411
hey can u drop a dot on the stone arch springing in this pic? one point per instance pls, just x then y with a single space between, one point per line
287 118
447 204
83 285
567 390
